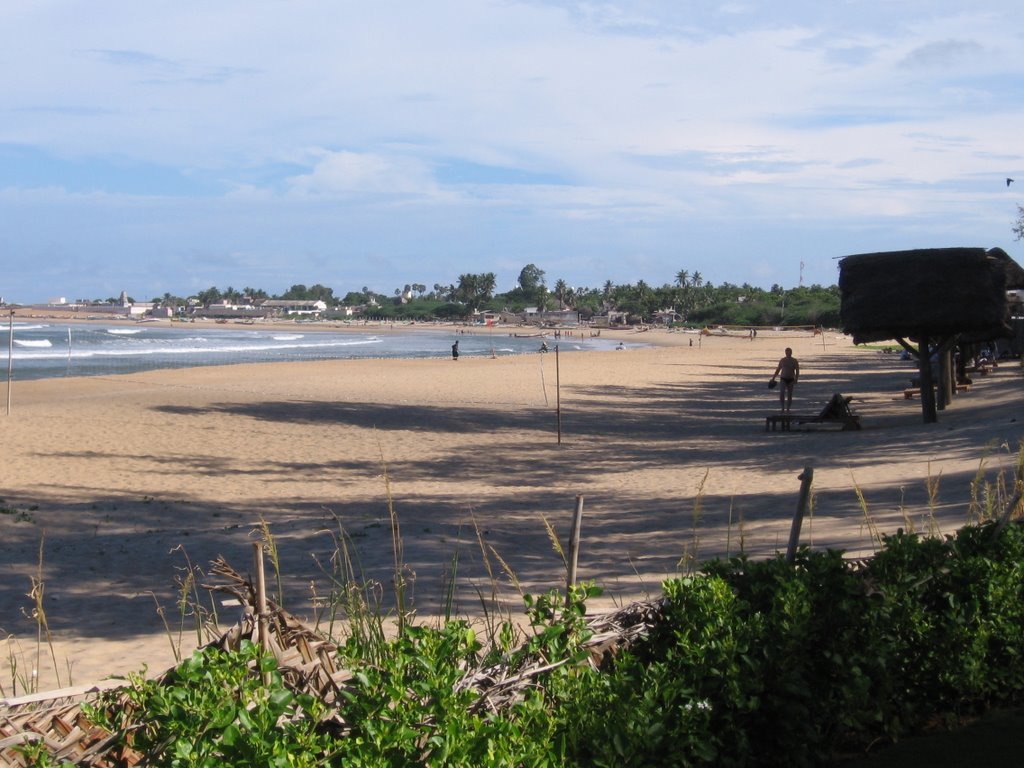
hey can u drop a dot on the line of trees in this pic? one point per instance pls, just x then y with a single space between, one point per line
689 297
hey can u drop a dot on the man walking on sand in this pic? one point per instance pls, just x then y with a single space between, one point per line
787 371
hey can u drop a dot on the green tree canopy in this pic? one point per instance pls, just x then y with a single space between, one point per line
531 279
475 290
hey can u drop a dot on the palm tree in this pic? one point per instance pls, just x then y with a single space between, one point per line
476 290
488 282
560 290
606 294
681 277
697 280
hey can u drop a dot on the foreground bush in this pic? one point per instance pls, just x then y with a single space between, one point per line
768 663
751 664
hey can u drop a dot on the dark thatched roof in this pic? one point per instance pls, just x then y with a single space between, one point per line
1014 271
931 292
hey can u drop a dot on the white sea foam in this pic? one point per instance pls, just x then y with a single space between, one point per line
109 350
33 343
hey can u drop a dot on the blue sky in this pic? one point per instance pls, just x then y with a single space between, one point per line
169 146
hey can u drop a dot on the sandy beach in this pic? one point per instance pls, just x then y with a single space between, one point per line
112 486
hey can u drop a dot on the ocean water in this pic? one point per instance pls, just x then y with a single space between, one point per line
48 350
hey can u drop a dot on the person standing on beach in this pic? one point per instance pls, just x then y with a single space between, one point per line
455 350
787 371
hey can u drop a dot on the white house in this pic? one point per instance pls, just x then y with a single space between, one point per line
294 307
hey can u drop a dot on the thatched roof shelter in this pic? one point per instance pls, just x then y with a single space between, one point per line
934 297
930 292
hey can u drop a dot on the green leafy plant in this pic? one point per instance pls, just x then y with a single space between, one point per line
212 710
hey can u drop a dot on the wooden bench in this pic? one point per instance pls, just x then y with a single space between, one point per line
911 392
837 411
783 422
778 421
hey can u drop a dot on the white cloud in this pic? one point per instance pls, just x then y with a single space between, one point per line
644 120
352 173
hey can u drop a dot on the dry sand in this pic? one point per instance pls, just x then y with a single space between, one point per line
123 481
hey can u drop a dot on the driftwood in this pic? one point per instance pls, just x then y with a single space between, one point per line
499 686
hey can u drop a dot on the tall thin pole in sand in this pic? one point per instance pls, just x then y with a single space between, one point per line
574 545
558 397
543 383
10 360
261 603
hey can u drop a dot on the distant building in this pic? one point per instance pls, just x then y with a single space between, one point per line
551 316
293 307
609 320
487 317
228 312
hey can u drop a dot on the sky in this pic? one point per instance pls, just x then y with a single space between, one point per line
167 147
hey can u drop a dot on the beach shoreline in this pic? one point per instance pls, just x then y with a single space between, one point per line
122 482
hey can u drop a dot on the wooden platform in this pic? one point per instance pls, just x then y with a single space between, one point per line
783 422
911 392
779 421
837 411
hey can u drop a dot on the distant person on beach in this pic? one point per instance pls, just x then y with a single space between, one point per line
787 371
543 346
455 350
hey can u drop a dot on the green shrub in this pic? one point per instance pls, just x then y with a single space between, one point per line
765 663
779 663
214 710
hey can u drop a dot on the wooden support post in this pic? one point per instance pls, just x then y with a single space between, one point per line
574 545
947 376
261 602
558 396
806 478
924 366
942 392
